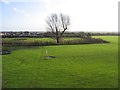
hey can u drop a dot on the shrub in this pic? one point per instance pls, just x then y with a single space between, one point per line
13 43
94 40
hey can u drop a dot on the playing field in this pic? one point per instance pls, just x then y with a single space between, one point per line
74 66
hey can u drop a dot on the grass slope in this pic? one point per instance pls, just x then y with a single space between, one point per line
75 66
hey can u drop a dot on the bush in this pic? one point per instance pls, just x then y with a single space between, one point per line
13 43
85 41
94 40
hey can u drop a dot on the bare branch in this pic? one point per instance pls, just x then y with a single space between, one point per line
58 24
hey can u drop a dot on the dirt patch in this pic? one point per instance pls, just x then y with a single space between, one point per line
49 57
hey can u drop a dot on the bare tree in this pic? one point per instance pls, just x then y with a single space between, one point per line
58 24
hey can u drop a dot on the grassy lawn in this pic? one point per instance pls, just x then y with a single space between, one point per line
75 66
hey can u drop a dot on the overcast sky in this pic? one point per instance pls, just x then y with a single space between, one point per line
86 15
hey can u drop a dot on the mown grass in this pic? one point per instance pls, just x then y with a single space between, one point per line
75 66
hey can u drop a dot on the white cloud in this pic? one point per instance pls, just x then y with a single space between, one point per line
16 9
21 11
5 1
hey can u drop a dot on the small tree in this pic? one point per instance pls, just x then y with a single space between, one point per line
58 24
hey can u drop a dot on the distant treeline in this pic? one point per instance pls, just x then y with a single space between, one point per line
49 34
105 34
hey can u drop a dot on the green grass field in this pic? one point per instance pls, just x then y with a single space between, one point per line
75 66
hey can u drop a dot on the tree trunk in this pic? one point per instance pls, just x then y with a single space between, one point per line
57 38
57 35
